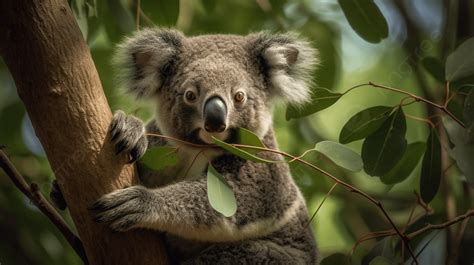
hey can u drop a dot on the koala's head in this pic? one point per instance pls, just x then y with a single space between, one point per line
211 85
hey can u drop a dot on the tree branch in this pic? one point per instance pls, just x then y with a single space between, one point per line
429 227
33 193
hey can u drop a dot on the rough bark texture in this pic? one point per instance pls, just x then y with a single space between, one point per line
59 85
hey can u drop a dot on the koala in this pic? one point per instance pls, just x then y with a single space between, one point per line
203 87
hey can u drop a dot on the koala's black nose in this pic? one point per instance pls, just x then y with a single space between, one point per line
215 114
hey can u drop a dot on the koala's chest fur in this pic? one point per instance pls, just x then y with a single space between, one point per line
191 164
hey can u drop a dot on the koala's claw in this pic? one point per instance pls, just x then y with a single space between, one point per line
122 209
128 134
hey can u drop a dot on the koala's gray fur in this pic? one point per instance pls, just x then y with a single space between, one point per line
271 222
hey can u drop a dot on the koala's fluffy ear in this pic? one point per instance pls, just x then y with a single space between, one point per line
289 62
143 60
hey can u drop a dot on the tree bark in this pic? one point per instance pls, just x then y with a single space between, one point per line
56 79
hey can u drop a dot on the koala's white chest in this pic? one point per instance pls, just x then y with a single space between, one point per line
192 164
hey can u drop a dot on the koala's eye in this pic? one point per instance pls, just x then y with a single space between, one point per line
190 96
239 96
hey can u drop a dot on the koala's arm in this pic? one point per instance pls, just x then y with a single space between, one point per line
183 208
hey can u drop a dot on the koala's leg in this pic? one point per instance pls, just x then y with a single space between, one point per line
128 135
181 209
177 208
249 252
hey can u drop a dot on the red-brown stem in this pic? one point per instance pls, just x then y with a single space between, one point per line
418 98
338 181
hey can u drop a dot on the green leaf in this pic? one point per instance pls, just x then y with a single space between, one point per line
247 137
431 168
320 99
382 150
460 63
365 19
435 67
157 158
406 165
220 195
340 155
240 152
386 248
380 260
463 149
364 123
161 12
337 258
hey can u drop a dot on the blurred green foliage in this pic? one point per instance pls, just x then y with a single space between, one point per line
402 44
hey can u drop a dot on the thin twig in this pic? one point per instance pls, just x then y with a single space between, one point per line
33 193
379 234
429 227
138 15
192 163
421 119
338 181
426 207
418 98
322 202
415 97
372 235
447 97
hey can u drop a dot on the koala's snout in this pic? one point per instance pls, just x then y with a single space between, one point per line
215 115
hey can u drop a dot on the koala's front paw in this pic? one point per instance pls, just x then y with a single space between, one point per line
123 209
128 134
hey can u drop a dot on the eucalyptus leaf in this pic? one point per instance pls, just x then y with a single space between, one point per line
320 99
340 155
406 165
365 19
157 158
220 195
435 67
382 150
364 123
336 258
247 137
240 152
460 63
380 260
384 248
431 168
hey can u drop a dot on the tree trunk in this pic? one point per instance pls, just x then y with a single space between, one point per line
43 47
